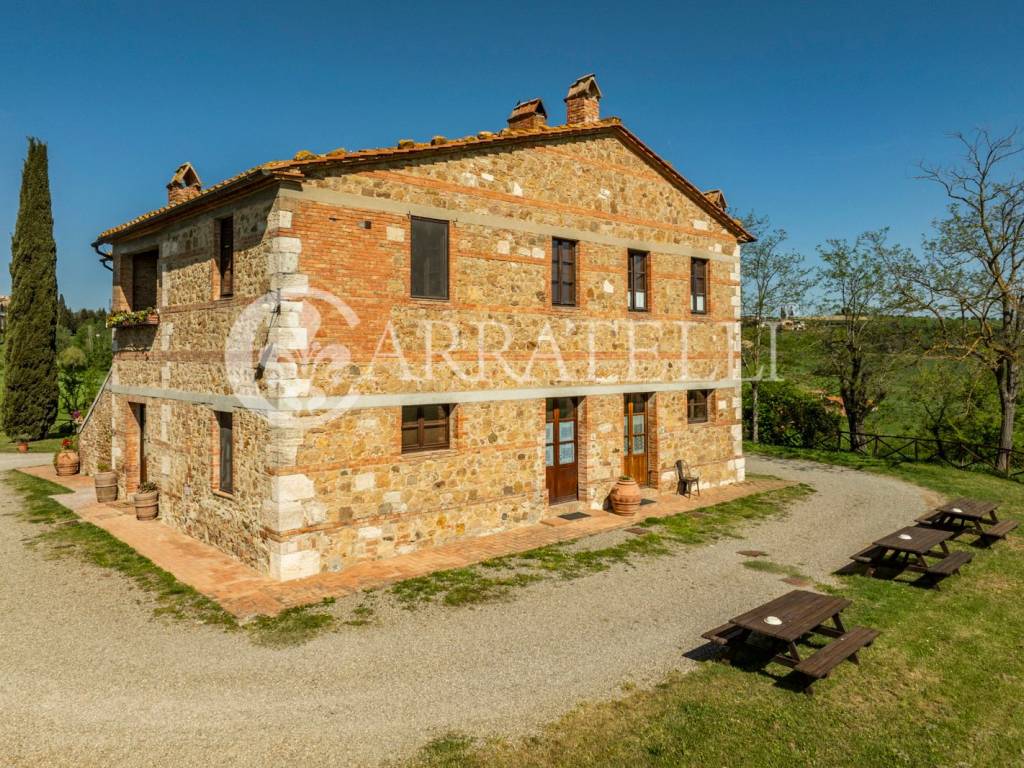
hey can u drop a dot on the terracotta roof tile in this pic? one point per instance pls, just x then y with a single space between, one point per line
295 167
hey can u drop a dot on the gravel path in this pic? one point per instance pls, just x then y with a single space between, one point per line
88 677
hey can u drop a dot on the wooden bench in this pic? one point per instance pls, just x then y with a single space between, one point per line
724 635
929 518
998 531
869 555
822 662
948 565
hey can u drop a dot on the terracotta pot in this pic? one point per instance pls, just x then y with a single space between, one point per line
68 463
626 497
106 486
147 505
23 447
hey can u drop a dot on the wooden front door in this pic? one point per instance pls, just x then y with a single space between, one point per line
634 434
560 449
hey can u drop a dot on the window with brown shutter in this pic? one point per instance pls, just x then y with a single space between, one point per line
563 272
225 444
429 258
425 427
697 405
637 287
144 280
699 286
226 256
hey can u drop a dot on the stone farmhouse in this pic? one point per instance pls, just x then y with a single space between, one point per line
354 355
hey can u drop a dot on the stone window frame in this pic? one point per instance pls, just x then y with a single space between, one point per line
215 454
705 285
708 403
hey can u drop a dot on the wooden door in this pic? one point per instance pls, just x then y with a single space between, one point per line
634 434
561 449
140 420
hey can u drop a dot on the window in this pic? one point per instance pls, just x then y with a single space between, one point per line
144 281
697 405
425 427
226 256
225 465
699 285
563 272
637 288
429 258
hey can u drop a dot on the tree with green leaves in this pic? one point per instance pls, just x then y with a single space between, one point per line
862 340
771 280
30 357
970 278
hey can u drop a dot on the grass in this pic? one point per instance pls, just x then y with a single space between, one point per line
940 687
64 534
494 579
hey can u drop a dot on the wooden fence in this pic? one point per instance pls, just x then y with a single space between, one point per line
953 453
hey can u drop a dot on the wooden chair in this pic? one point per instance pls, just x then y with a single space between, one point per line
687 479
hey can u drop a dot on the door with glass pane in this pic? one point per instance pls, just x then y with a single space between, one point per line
634 435
560 449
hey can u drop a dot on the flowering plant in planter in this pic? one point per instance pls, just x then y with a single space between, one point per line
130 318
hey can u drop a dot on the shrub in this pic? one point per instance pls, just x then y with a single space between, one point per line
788 415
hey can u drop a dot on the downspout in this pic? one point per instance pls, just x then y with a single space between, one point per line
106 259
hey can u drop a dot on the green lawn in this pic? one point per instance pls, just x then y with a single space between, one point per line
941 686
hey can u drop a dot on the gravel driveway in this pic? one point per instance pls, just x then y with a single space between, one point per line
88 677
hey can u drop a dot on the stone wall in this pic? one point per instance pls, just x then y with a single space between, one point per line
95 437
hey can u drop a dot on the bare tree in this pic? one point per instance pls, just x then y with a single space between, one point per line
861 337
771 279
970 277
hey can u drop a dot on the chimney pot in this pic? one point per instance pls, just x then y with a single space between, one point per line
528 115
582 101
184 184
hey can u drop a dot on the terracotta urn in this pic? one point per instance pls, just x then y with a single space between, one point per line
625 497
147 503
22 446
67 463
106 486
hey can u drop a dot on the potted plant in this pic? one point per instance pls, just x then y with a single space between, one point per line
625 496
106 483
23 443
67 461
146 501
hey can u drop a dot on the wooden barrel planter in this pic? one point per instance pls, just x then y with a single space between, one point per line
106 486
625 497
67 463
147 505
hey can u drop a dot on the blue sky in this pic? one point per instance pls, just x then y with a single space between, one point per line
814 113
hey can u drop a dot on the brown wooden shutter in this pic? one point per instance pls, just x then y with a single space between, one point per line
225 434
227 256
429 259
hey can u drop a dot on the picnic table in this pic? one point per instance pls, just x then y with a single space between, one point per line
786 619
963 515
907 549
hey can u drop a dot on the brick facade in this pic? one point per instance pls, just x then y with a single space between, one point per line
334 487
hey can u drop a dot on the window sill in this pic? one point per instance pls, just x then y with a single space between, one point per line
223 494
431 299
428 453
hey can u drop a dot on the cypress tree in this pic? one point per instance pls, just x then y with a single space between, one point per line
30 356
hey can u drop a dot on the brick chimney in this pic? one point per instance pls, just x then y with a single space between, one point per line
184 185
581 103
528 116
